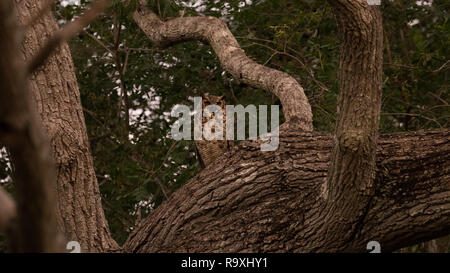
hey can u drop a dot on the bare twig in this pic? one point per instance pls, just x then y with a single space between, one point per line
64 34
152 173
285 53
124 69
150 50
439 98
99 42
444 66
414 115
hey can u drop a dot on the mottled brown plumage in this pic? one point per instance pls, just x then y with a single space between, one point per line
209 150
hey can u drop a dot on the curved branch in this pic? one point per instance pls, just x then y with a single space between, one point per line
214 31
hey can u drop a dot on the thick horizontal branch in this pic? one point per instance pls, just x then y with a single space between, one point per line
253 202
214 31
412 199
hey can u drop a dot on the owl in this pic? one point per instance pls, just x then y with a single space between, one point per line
209 150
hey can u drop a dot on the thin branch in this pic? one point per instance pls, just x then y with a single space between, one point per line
152 173
439 98
151 50
413 115
124 69
444 66
67 32
285 53
99 42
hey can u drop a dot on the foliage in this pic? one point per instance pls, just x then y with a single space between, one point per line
416 82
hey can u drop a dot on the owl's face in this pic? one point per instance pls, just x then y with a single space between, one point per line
211 100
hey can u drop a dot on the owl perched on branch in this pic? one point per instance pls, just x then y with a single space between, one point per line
209 150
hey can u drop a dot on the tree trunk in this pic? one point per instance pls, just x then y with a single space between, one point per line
32 226
350 184
55 89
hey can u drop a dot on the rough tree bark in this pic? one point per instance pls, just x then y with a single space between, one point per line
350 186
255 201
34 228
56 95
